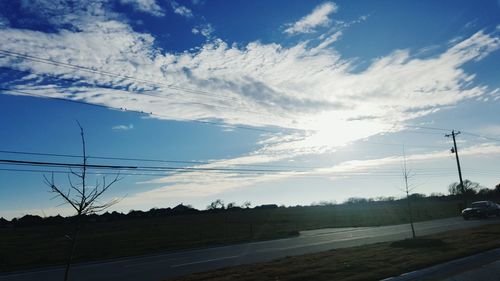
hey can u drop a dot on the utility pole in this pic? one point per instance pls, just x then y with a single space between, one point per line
455 150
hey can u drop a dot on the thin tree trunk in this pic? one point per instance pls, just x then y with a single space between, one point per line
71 250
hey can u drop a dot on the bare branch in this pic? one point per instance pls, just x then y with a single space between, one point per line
95 194
74 173
58 191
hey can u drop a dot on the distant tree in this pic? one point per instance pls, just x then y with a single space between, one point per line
436 194
356 200
3 222
181 208
327 203
82 197
216 205
30 220
417 196
485 192
231 205
266 206
468 189
496 191
246 204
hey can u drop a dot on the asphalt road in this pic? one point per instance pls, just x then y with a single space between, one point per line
162 266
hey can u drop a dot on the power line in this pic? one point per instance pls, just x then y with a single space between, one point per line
122 167
107 73
92 173
395 174
10 53
427 128
190 169
126 90
214 123
481 136
95 71
219 124
149 160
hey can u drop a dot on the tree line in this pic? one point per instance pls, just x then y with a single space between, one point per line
471 191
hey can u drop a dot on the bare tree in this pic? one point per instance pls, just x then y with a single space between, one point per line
468 189
231 205
216 205
408 188
247 204
81 196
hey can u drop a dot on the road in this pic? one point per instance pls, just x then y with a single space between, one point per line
162 266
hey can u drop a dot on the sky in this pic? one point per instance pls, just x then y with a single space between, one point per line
285 102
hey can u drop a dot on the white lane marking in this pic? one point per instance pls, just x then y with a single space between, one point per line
204 261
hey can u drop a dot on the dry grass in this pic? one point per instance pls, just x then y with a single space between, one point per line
370 262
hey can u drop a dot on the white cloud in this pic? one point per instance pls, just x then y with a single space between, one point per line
205 30
77 13
181 10
310 88
147 6
203 184
123 127
489 130
257 84
318 17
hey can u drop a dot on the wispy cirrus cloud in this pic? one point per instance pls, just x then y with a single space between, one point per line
181 10
205 30
298 86
123 127
307 90
318 17
147 6
203 184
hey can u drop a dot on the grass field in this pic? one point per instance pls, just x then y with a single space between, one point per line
369 262
26 247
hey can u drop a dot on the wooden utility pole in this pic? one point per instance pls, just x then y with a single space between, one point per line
455 150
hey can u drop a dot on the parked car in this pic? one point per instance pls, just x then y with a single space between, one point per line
481 209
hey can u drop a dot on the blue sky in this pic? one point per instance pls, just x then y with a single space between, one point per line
330 91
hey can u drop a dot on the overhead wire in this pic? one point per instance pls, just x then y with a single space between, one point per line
143 93
329 174
106 73
170 86
129 167
10 53
206 122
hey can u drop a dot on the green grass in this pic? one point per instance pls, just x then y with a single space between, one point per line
26 247
369 262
